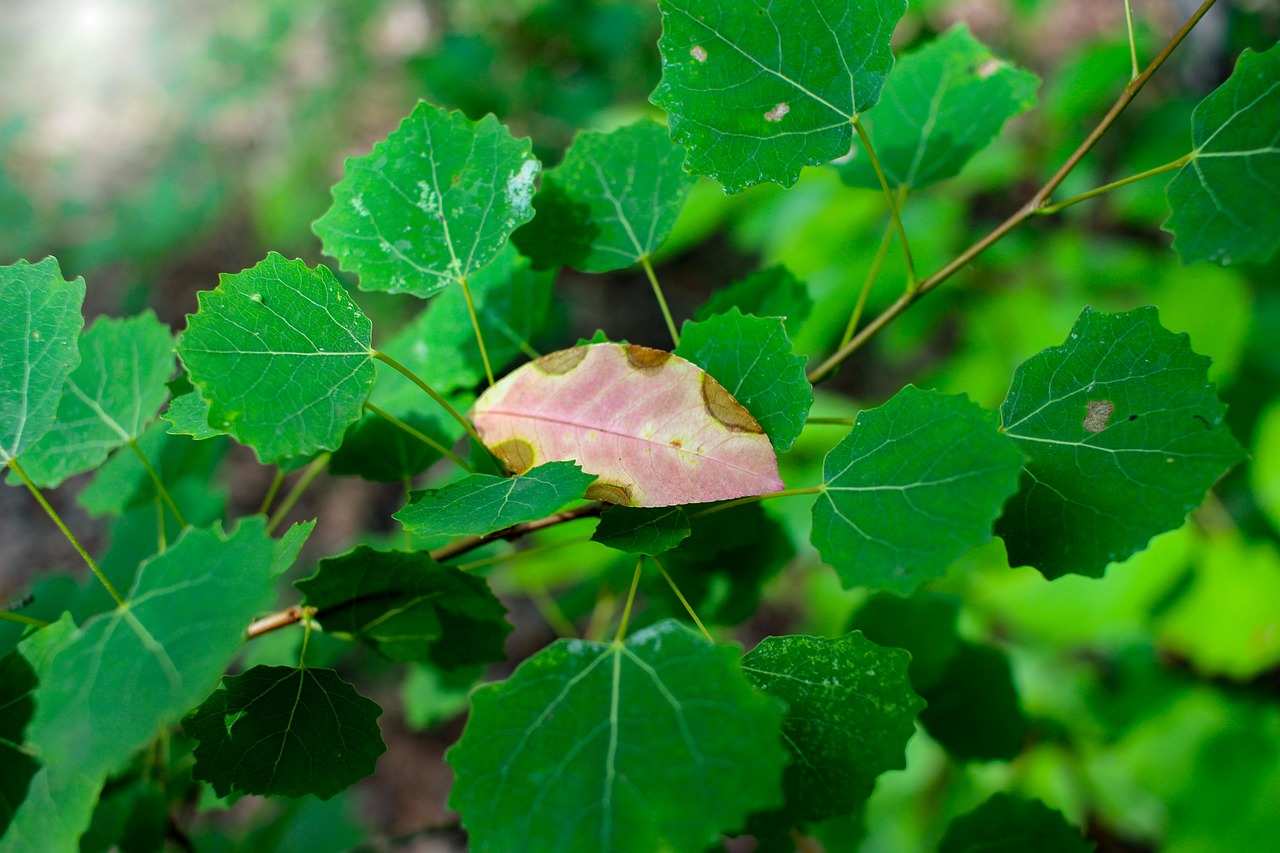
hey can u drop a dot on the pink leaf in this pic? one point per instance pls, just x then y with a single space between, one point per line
656 429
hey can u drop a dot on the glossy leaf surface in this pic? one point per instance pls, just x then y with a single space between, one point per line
656 429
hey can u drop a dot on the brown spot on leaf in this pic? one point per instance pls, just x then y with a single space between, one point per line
646 358
676 443
698 52
609 493
777 112
1097 413
515 453
728 411
560 362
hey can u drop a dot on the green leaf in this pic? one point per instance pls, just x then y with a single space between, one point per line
1007 824
642 530
770 292
378 450
189 415
482 503
755 362
1124 436
611 202
108 400
286 732
17 684
942 104
40 322
408 607
755 90
431 696
127 673
281 353
917 482
288 546
123 482
431 204
660 743
1222 203
850 713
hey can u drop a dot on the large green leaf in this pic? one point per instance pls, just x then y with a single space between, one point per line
129 672
850 713
756 90
483 503
659 743
286 732
40 322
770 292
642 530
917 481
611 202
17 766
753 359
431 204
408 607
942 104
108 400
1007 824
1223 202
281 353
1124 436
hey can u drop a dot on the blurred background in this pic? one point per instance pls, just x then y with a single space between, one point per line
152 145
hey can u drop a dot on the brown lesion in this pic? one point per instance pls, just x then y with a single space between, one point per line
728 411
646 358
561 361
1097 414
515 453
610 493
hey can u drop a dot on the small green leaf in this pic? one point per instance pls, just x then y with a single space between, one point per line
850 713
660 743
770 292
108 400
756 91
288 546
917 482
281 353
1008 824
482 503
1222 203
17 684
408 607
40 323
431 204
942 104
611 202
642 530
286 732
1124 436
378 450
755 362
189 415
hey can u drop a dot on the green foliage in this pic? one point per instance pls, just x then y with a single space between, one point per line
17 683
483 503
1005 824
642 530
770 292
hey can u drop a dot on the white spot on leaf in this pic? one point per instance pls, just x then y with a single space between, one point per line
698 52
777 112
520 186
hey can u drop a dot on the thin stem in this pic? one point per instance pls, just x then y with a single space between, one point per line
308 476
548 609
1028 210
680 595
523 552
872 274
413 377
57 519
7 616
307 614
785 493
662 302
162 538
462 546
271 492
601 615
421 436
829 421
275 621
890 200
1106 188
475 324
1133 43
631 597
155 478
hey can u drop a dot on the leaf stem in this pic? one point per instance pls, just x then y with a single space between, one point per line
57 519
662 301
680 595
462 546
421 436
271 492
1106 188
308 477
475 324
872 274
548 609
155 478
750 499
1133 43
511 555
631 598
21 619
890 200
413 377
1021 214
275 621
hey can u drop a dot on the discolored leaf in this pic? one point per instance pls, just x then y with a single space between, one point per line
1008 824
770 292
642 530
755 91
656 429
432 204
285 731
1124 436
